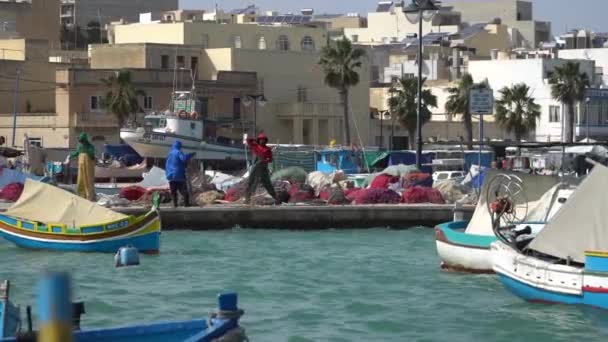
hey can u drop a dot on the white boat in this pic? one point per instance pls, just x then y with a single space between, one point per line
183 123
464 246
568 261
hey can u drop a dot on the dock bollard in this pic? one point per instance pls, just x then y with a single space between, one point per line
458 212
126 256
55 308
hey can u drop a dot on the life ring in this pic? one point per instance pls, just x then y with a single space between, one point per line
194 116
183 114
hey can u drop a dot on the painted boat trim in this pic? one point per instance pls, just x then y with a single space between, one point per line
453 233
133 226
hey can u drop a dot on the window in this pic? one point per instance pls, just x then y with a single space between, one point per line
148 102
236 108
283 43
205 41
354 38
194 64
394 80
237 42
181 62
554 114
164 62
302 95
35 141
262 43
95 103
204 107
308 44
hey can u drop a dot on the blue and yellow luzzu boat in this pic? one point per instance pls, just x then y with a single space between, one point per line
46 217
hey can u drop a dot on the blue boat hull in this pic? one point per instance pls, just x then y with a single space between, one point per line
148 243
195 330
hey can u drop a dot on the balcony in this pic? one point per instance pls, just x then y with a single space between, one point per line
288 110
92 120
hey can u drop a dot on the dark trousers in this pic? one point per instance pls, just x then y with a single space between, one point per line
259 174
183 190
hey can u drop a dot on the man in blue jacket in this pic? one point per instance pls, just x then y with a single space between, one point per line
175 168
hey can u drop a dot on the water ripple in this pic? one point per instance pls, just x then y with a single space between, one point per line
359 285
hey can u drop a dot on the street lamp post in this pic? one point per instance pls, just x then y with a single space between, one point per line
257 99
587 100
416 12
382 115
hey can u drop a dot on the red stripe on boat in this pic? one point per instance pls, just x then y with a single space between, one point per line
595 289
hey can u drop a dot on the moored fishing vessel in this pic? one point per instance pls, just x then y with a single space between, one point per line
183 122
568 261
47 217
465 245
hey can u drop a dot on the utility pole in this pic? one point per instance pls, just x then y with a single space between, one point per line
99 21
15 105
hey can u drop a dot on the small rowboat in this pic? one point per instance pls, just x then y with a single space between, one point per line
46 217
58 321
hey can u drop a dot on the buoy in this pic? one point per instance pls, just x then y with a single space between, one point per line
126 256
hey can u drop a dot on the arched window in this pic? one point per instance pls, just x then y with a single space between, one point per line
308 44
237 42
262 43
283 43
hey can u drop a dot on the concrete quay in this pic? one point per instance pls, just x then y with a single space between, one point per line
303 217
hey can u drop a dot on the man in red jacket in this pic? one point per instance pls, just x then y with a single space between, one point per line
259 171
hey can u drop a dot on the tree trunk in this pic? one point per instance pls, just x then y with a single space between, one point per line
468 127
569 123
411 132
344 95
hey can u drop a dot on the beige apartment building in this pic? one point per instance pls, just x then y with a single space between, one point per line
213 36
78 105
30 19
516 14
301 109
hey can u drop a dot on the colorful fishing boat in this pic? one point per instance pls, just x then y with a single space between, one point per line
57 324
568 261
464 246
47 217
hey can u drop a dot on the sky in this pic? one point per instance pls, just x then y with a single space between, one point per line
564 14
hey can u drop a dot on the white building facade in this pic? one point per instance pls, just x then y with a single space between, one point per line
535 73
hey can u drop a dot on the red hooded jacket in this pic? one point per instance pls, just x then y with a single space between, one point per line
262 152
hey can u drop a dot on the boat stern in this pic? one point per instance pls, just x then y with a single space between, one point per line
595 280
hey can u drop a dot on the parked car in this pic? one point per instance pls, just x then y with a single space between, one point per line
443 175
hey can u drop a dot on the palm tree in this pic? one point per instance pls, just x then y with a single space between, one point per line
121 97
516 110
458 103
340 61
568 87
403 103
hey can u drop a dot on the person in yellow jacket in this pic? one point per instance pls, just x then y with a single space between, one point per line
85 152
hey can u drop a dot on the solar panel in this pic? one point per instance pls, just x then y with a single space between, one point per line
384 6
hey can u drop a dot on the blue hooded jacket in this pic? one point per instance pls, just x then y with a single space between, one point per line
175 166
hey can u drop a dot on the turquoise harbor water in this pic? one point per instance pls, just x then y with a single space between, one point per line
359 285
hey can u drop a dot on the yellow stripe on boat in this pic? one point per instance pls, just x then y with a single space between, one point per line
597 254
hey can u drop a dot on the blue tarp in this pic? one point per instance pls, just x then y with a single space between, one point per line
9 176
350 162
123 152
472 158
478 179
409 158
